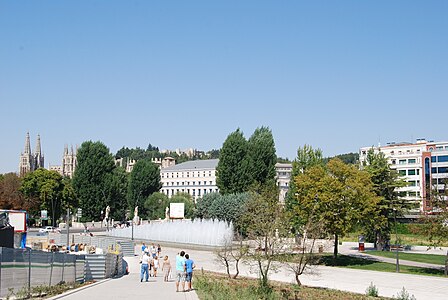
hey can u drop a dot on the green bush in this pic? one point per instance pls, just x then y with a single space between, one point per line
372 290
404 295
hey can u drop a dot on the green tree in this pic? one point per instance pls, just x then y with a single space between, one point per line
155 205
339 197
116 192
261 156
204 204
46 188
307 157
143 181
232 169
385 181
266 225
92 177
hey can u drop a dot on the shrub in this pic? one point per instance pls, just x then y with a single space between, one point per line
404 295
372 290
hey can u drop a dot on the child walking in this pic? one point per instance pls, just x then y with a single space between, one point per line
155 265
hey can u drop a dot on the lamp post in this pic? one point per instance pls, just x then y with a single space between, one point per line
397 264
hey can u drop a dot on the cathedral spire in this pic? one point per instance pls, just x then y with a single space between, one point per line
38 150
27 144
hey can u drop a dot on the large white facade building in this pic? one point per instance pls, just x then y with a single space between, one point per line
423 165
196 177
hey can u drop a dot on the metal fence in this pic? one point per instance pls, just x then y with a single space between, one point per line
26 268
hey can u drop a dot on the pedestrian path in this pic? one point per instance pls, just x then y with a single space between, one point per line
353 251
130 287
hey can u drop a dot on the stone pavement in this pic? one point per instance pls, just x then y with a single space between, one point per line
388 284
130 287
351 249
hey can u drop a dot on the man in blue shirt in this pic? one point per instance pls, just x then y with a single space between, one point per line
189 266
180 271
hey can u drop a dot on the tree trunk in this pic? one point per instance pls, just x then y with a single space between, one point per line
237 269
446 264
297 279
336 242
227 268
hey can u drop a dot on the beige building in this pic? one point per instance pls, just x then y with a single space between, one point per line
283 177
29 161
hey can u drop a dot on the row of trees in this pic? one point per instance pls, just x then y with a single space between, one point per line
243 163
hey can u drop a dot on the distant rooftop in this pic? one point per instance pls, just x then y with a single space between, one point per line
194 164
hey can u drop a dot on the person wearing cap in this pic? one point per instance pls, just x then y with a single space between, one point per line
145 263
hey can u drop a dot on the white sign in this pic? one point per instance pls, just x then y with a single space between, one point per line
17 219
44 214
177 210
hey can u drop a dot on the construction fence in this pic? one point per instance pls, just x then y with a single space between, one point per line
25 268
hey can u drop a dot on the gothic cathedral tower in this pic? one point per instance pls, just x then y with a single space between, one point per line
30 161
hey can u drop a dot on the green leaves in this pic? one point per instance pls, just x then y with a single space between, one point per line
243 163
143 181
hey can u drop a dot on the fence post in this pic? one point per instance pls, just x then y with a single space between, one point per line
63 267
29 272
1 259
51 267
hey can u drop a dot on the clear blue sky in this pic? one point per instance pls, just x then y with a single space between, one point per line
334 74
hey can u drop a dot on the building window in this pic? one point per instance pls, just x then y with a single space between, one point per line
411 172
188 174
411 161
402 161
443 158
433 158
402 172
442 170
433 170
418 171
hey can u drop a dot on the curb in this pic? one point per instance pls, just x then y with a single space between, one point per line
67 293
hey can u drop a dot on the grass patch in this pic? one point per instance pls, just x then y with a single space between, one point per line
424 258
371 265
215 286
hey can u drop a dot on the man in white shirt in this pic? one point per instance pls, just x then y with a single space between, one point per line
145 263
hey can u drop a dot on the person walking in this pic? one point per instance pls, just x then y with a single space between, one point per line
166 268
189 266
144 268
155 265
180 271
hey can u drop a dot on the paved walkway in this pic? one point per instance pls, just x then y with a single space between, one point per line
348 249
388 284
130 287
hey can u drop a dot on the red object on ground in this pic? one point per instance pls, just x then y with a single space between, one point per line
361 247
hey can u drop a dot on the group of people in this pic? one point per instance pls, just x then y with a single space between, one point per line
150 264
184 271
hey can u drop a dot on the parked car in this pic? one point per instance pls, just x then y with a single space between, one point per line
48 229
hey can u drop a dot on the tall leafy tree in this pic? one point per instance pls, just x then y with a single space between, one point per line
92 177
338 197
117 186
10 195
155 205
307 157
45 188
232 169
386 181
143 181
261 156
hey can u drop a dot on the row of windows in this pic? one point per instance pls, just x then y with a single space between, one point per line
194 192
187 174
188 183
441 158
439 170
413 182
404 161
409 172
438 148
409 194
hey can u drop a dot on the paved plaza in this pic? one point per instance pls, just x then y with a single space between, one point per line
388 284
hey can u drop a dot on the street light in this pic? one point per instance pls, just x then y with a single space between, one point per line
397 264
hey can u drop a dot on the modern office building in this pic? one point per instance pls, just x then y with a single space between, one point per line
195 177
423 165
283 171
